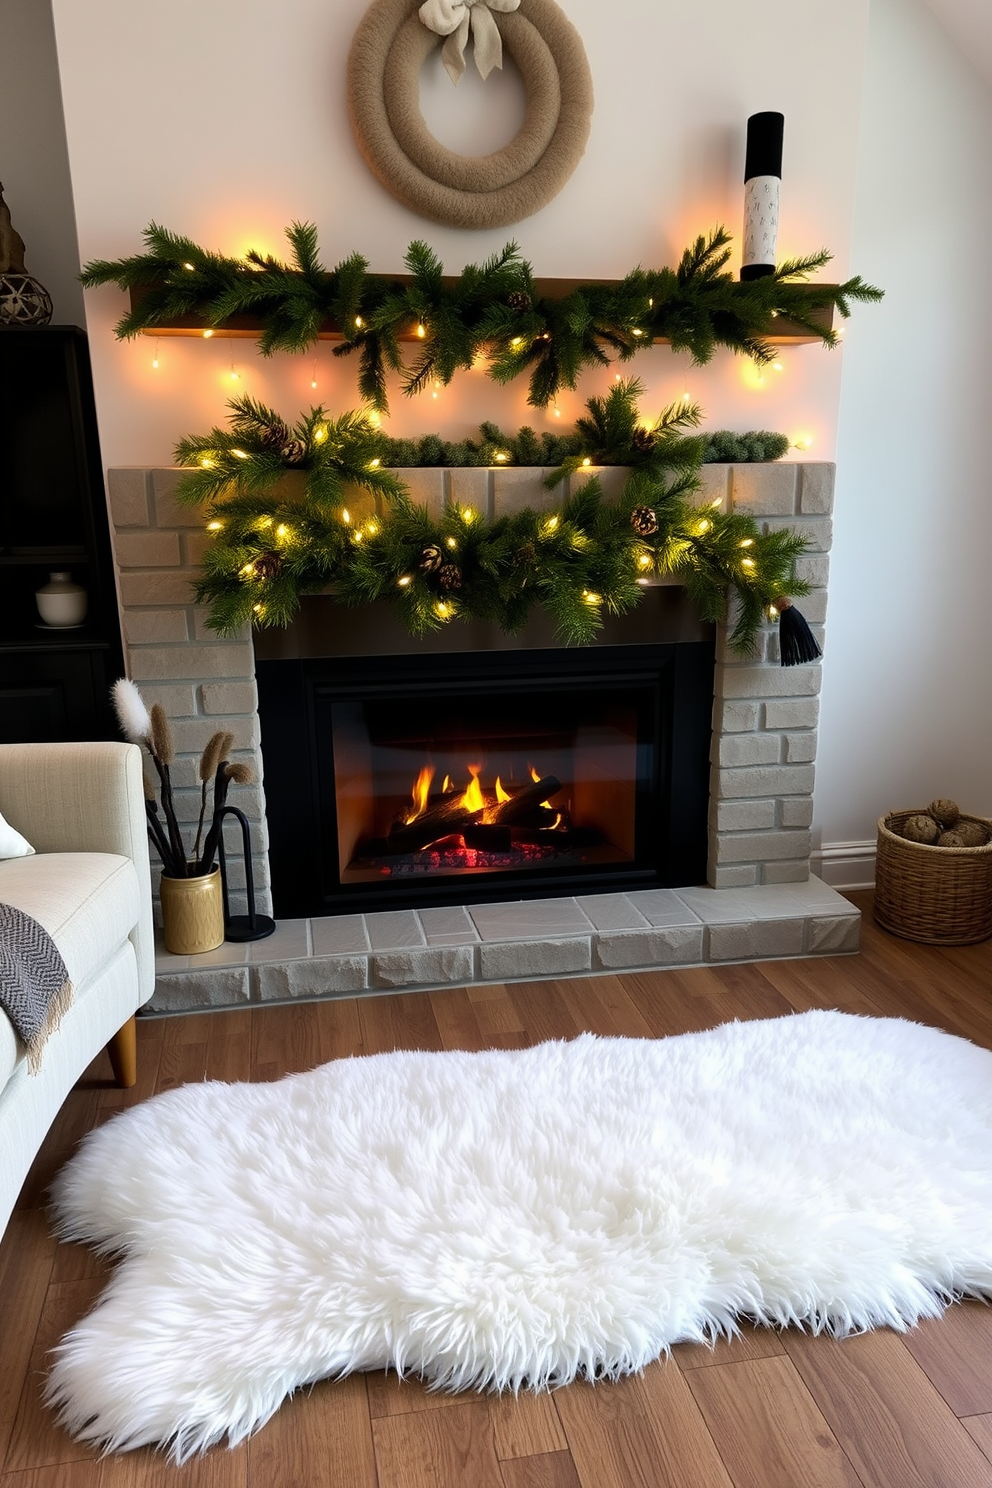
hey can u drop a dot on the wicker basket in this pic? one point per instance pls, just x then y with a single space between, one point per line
938 895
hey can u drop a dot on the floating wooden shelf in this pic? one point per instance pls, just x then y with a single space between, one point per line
787 333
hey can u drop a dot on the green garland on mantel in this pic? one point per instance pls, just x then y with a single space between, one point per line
492 311
292 511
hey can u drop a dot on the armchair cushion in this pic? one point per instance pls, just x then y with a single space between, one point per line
88 903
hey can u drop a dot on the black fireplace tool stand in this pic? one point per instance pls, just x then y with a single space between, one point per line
252 926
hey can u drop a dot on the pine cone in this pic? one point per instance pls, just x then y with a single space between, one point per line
273 436
518 299
450 576
644 521
432 558
293 452
644 440
525 555
267 565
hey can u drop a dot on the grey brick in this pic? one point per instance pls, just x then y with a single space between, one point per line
612 479
519 486
468 486
735 717
220 987
173 663
678 945
814 570
190 735
768 681
169 587
743 816
168 512
714 485
144 627
788 871
147 549
194 545
755 940
499 960
792 713
818 531
128 492
734 876
319 976
764 489
760 847
813 607
749 749
796 811
816 487
453 965
178 698
202 632
426 488
800 749
228 697
765 780
833 936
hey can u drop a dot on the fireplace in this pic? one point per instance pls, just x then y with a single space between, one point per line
763 717
428 777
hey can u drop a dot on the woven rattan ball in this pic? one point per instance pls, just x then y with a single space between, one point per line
921 828
951 838
944 812
971 833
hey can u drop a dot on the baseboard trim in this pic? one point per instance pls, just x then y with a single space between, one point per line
845 865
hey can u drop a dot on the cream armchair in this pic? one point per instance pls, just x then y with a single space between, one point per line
81 806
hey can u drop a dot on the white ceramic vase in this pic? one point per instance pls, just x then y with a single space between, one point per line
61 602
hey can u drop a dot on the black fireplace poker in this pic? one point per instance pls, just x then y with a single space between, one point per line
252 926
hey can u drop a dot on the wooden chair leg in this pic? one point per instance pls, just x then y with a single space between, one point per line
123 1051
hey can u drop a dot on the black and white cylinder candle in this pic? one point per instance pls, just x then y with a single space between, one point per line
762 187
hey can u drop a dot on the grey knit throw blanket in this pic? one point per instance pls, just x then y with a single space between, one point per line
35 990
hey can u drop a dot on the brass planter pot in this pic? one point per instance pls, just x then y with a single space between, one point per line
192 913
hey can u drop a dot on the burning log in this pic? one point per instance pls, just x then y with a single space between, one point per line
439 821
523 802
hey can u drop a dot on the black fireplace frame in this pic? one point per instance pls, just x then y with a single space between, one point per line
301 811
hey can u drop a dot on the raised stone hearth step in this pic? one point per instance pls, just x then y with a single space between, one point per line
412 951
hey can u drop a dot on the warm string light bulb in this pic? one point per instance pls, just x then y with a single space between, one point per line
313 374
155 357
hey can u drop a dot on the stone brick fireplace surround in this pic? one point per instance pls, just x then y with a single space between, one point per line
760 900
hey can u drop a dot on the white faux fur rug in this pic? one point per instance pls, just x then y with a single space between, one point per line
519 1218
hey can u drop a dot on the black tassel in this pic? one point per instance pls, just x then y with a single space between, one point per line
797 642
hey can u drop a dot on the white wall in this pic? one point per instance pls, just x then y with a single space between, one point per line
34 166
226 121
907 701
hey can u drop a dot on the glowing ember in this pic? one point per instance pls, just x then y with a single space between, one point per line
421 792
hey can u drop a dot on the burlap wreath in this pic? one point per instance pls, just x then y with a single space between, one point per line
384 64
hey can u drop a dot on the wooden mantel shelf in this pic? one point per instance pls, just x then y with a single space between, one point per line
787 333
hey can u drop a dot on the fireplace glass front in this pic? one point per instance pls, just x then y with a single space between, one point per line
404 782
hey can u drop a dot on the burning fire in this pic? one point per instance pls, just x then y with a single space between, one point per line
421 793
473 799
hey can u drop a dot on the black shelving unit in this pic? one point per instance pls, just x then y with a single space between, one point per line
54 684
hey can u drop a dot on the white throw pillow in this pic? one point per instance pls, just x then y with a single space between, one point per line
12 844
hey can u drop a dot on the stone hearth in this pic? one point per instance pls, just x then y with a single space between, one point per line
759 901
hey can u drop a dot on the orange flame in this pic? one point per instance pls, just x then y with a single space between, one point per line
501 794
473 800
555 823
421 791
534 775
446 785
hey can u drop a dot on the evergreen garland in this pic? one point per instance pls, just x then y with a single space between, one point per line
587 558
490 310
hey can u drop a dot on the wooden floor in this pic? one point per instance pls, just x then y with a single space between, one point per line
771 1410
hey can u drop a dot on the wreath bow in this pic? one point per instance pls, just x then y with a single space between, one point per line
452 18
